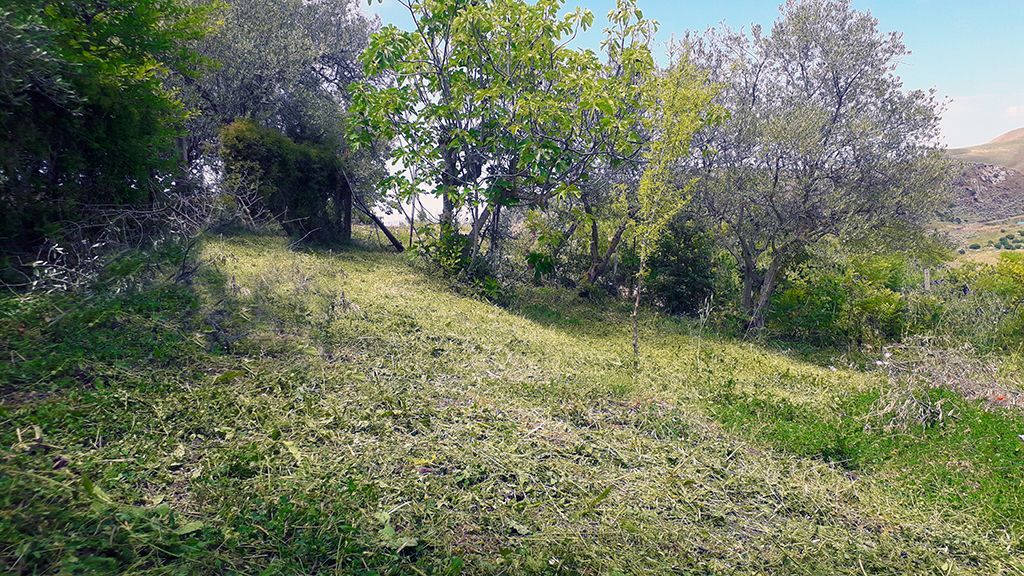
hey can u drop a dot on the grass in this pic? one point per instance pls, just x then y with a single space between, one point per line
300 412
985 235
1009 153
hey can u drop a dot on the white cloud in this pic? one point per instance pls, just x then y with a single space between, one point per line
1015 111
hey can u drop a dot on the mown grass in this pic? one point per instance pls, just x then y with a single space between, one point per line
301 412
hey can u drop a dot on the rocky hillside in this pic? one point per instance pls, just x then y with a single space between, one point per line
985 192
991 183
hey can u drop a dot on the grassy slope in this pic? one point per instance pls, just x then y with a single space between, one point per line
966 234
316 412
1006 150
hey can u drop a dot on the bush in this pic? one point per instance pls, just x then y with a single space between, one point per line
444 247
301 184
975 246
859 300
86 113
683 269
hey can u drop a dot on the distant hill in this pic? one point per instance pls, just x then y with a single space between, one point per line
991 183
984 192
1006 150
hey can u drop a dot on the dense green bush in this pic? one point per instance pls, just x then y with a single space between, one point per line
301 184
859 300
683 269
984 304
85 110
876 300
445 248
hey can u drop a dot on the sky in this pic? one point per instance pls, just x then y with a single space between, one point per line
971 51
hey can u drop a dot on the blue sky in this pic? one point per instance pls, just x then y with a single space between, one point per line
972 51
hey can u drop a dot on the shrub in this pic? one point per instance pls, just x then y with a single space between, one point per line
975 246
87 115
445 248
858 300
301 184
683 269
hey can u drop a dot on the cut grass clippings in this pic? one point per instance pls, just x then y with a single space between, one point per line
302 412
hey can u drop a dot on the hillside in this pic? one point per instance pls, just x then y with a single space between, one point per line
986 192
1006 150
990 186
320 412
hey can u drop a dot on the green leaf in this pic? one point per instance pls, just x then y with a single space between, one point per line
228 376
95 491
189 527
606 106
293 450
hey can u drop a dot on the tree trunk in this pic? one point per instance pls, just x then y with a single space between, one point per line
764 296
448 213
412 217
346 214
748 289
380 224
750 279
600 266
635 319
449 180
472 249
494 253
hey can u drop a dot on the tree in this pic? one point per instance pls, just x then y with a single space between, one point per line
823 141
679 105
284 64
86 115
487 106
299 183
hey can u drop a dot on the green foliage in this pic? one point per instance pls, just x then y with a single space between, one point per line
86 114
679 105
302 184
542 265
503 83
860 300
880 299
285 64
507 113
684 270
782 179
446 248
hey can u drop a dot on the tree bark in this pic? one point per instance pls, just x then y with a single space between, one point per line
635 319
346 214
473 246
747 299
600 266
764 295
450 180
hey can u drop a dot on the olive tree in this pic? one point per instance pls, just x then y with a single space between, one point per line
285 64
823 140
